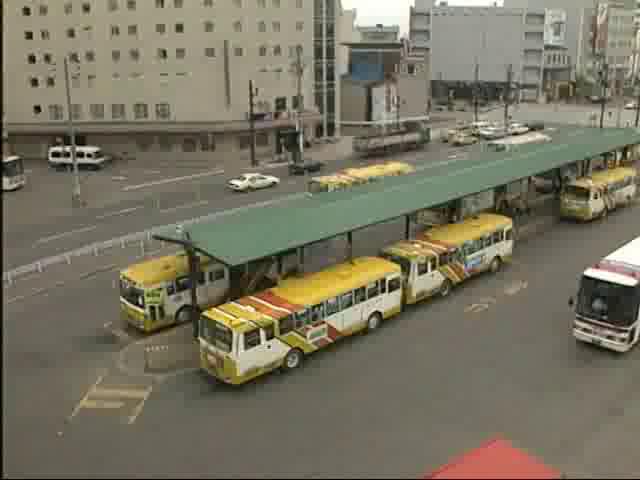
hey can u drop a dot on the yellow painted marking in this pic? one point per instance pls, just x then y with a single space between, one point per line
81 402
134 393
482 305
139 407
516 287
105 404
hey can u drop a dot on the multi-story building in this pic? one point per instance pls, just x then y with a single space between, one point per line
168 78
478 35
379 33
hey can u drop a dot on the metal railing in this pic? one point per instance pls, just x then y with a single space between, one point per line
135 239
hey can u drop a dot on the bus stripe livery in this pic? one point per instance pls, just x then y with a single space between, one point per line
275 328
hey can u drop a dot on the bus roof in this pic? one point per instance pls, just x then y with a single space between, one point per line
628 253
496 459
456 234
412 249
604 177
621 266
316 287
336 178
86 148
161 269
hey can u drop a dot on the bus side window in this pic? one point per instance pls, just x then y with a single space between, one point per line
383 285
331 306
55 154
286 324
302 318
372 290
269 332
360 295
346 301
66 154
496 237
171 288
486 241
80 154
152 313
251 339
509 235
423 268
201 278
394 284
216 275
445 258
183 283
317 313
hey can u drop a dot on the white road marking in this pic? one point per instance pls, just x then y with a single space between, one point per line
172 180
65 234
119 212
153 171
188 205
119 177
516 287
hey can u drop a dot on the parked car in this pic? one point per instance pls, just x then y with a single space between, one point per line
631 106
535 126
462 139
308 166
252 181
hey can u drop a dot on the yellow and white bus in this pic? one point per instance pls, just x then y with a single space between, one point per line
13 176
275 328
446 255
354 176
586 198
155 293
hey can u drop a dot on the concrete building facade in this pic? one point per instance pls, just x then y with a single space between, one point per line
168 78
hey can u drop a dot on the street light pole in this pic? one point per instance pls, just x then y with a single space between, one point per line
75 196
604 78
252 127
507 96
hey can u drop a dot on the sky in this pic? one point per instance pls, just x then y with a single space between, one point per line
394 12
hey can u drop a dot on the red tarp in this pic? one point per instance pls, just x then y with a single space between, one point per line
497 459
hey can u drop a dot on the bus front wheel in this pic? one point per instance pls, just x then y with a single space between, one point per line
375 319
292 360
495 265
183 315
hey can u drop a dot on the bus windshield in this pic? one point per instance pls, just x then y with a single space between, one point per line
608 302
12 168
216 334
577 193
404 263
133 295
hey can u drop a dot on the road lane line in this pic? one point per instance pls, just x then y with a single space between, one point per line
65 234
188 205
140 406
81 403
172 180
119 212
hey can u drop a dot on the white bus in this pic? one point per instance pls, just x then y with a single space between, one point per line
13 176
508 143
609 299
86 156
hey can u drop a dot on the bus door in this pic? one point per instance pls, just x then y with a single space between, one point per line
428 279
475 257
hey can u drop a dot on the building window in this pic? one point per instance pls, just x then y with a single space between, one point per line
299 26
159 3
43 9
134 54
208 3
113 5
55 112
237 51
115 55
281 104
97 111
141 111
34 82
31 58
237 3
276 3
28 35
51 82
277 50
86 8
164 142
237 26
179 27
161 28
74 57
117 111
91 81
262 139
298 3
163 111
263 51
90 56
44 34
244 141
294 102
132 30
26 11
208 26
178 3
189 145
68 8
76 111
115 30
207 142
37 109
210 52
131 4
162 54
47 58
276 26
181 53
71 33
262 27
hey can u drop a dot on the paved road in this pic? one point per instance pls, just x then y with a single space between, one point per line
24 242
434 382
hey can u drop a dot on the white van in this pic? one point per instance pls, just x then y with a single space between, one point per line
86 156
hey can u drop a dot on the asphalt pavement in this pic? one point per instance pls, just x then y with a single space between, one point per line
496 357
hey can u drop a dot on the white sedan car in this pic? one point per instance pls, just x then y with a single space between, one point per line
252 181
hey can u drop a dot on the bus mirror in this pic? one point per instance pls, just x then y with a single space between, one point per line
571 301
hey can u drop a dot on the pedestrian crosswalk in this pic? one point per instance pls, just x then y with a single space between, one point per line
116 395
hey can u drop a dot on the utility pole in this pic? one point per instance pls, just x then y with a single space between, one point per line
604 83
507 95
297 68
75 195
398 104
476 76
252 127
